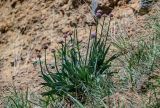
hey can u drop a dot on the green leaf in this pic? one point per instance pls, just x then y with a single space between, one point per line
76 101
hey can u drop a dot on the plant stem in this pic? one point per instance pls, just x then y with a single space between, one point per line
88 45
65 44
62 58
41 66
102 26
77 43
56 62
108 30
96 29
46 61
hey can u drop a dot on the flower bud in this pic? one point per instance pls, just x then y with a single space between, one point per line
70 33
93 35
98 15
104 15
111 15
99 11
65 36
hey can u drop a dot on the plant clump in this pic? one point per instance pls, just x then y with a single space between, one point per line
76 75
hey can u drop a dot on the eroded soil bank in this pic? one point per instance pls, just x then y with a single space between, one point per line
25 25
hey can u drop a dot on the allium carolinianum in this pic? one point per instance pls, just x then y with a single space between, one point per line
93 35
65 36
99 13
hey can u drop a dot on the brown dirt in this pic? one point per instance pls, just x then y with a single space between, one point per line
25 25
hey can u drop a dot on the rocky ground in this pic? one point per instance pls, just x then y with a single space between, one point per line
25 25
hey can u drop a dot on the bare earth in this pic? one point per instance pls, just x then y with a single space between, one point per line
25 25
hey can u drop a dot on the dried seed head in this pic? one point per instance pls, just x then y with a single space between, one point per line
39 56
45 46
53 50
60 41
37 50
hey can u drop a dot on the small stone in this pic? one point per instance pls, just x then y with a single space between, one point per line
12 64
